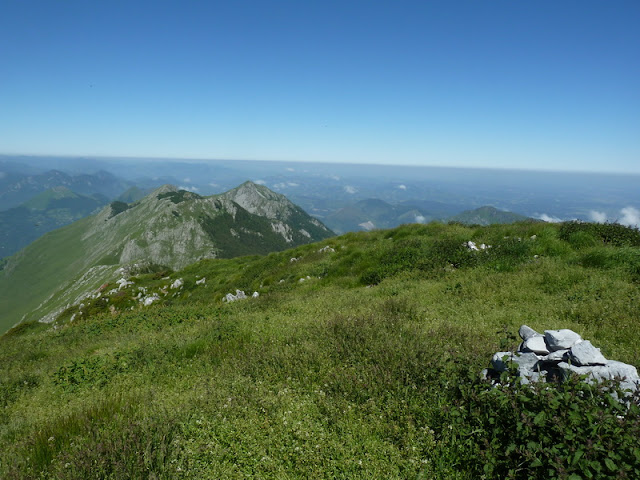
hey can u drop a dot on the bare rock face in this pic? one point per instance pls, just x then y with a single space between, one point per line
535 344
526 332
584 353
557 354
612 370
561 339
527 360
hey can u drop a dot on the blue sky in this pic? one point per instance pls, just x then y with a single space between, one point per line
482 83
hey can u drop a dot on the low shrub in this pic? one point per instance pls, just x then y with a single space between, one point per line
571 430
607 233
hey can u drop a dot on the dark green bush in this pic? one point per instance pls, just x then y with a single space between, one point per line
607 233
117 208
570 430
179 196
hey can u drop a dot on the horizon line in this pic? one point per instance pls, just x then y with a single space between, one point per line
351 163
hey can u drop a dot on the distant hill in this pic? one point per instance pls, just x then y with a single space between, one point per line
47 211
134 194
17 188
436 210
372 214
169 227
487 216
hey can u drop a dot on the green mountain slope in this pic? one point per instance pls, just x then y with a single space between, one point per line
46 211
487 216
358 360
168 227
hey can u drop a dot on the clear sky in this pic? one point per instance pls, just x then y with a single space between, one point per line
480 83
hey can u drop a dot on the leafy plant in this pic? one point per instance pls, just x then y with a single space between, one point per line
608 233
568 430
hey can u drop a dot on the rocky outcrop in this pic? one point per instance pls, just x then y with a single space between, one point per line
555 355
240 295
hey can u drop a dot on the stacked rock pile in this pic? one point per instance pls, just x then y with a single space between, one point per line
555 354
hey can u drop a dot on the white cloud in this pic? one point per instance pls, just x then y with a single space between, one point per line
548 218
350 189
186 180
368 225
597 217
630 217
289 169
402 187
279 186
335 177
292 184
213 185
189 188
420 219
259 182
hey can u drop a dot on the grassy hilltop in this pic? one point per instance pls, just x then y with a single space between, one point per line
360 360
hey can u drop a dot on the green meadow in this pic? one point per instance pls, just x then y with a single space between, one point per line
361 360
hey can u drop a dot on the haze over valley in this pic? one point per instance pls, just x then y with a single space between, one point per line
339 195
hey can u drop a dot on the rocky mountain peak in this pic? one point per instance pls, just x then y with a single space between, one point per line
169 227
259 200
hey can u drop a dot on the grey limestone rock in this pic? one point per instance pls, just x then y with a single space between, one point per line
584 353
525 361
526 332
535 344
556 354
561 339
499 363
532 376
612 370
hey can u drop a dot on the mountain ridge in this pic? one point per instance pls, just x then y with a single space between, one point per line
170 227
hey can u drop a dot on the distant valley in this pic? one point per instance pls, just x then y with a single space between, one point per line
51 209
18 186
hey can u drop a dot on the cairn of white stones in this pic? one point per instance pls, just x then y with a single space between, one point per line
554 355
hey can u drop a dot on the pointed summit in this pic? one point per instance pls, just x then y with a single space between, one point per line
259 200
